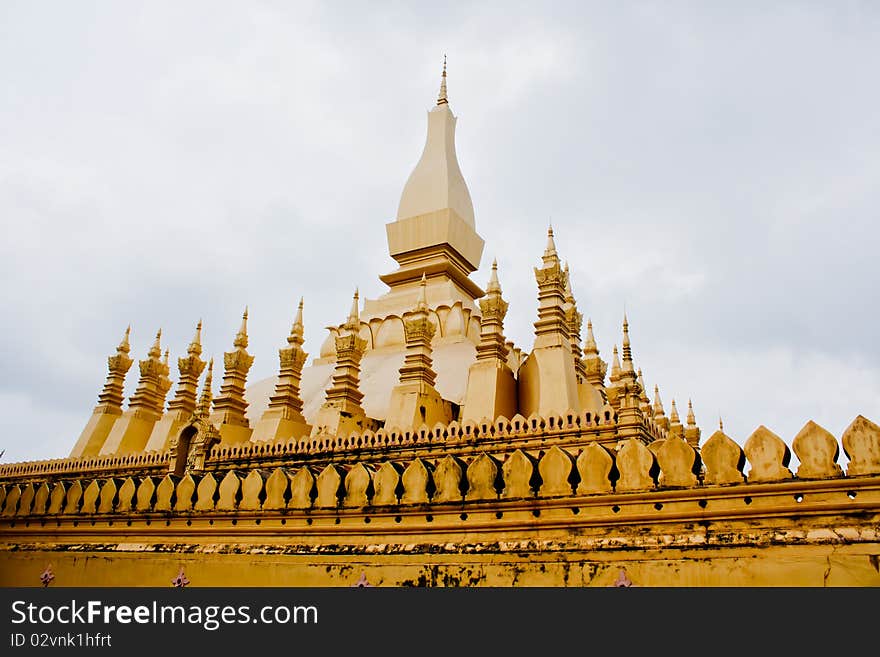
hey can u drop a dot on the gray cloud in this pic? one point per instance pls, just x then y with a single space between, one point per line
714 168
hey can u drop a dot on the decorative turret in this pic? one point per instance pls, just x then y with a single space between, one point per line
189 446
615 366
629 412
164 380
627 371
419 332
551 329
550 257
284 419
660 418
132 431
676 430
149 397
491 388
493 345
574 319
692 431
644 400
230 406
190 368
118 366
613 391
342 413
109 406
203 410
594 366
415 401
547 379
590 393
180 409
353 323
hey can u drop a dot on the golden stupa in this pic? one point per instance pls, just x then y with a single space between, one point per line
421 447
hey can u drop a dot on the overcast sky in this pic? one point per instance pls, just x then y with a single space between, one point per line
712 166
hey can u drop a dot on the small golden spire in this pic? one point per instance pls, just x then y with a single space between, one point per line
442 99
297 330
627 350
353 322
569 296
590 344
615 362
156 349
165 360
195 347
124 347
422 303
241 338
644 395
691 419
673 415
720 424
204 408
550 256
494 285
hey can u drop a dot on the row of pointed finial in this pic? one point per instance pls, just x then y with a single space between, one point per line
594 470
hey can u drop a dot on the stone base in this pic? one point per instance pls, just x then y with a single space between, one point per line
786 565
130 433
93 437
233 434
547 382
276 427
165 430
491 392
590 398
335 421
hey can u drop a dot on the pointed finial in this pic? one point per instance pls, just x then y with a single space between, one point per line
195 347
124 346
165 359
204 408
569 295
673 415
297 330
644 396
422 303
691 420
720 424
615 362
156 349
442 99
241 338
354 319
627 350
494 286
590 344
550 257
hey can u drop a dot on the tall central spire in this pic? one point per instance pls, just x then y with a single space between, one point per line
436 182
434 232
